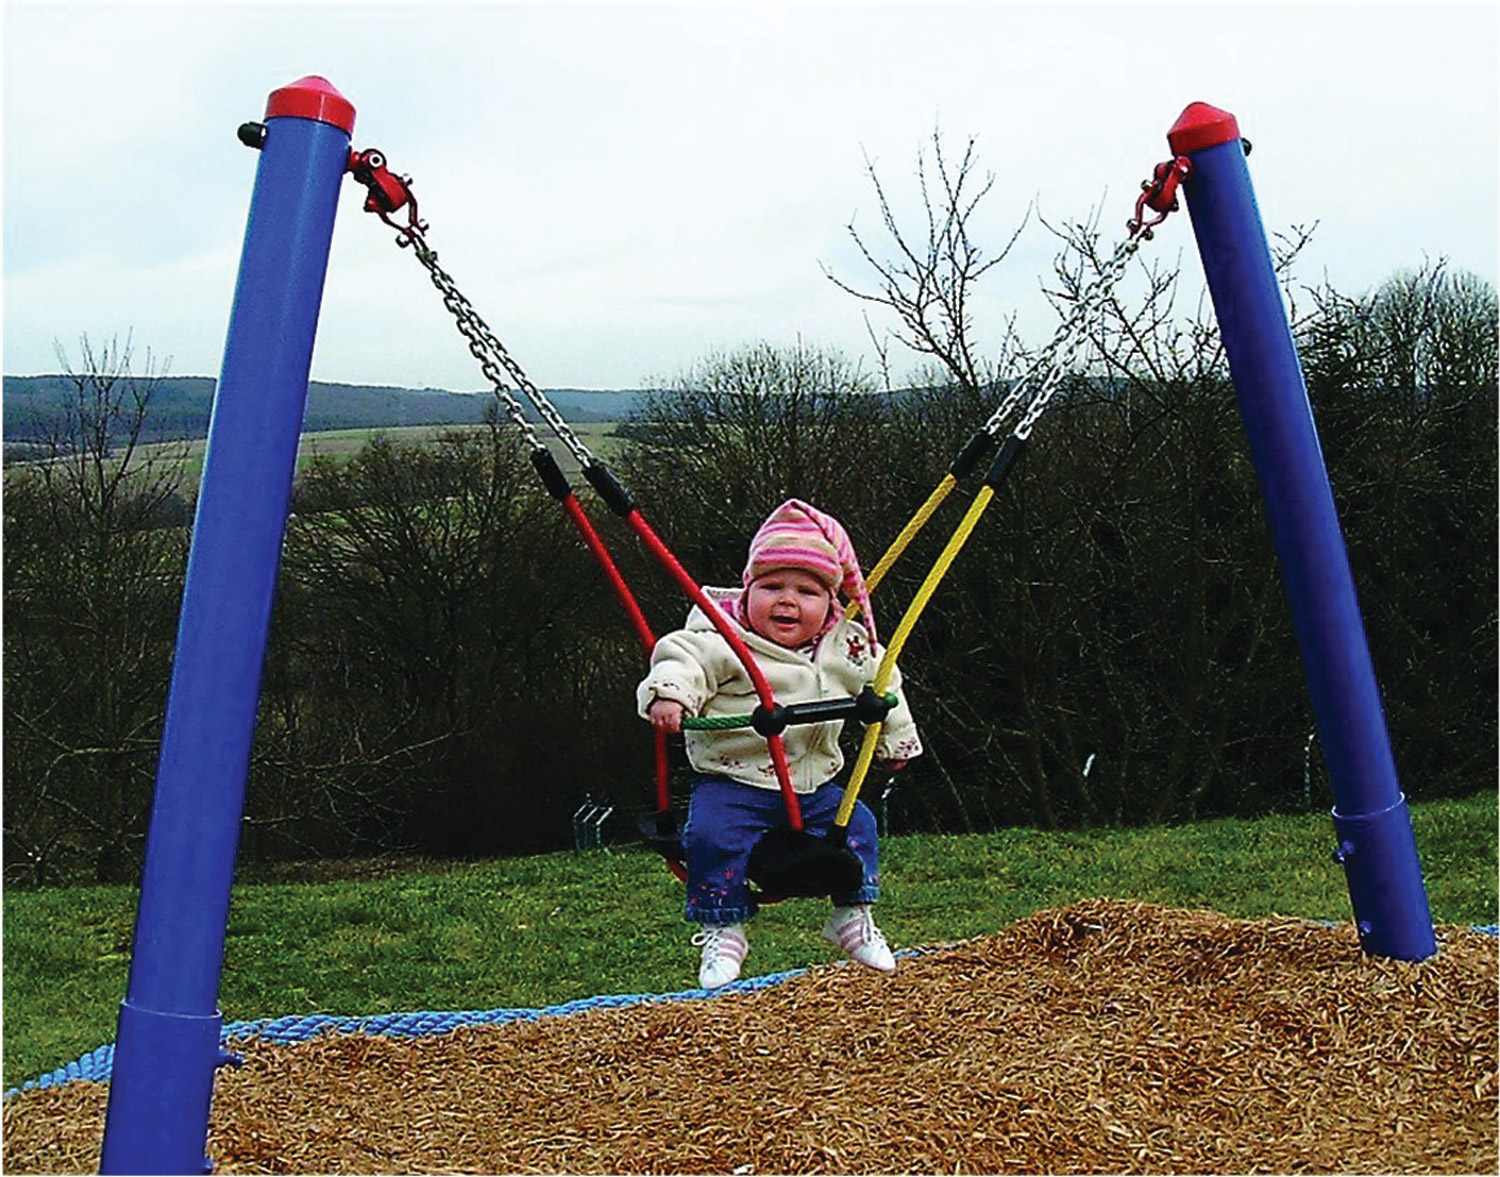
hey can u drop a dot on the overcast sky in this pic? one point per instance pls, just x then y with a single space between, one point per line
623 189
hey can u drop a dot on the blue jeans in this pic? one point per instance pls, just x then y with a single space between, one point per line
725 819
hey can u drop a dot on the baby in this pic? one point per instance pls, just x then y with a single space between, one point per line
789 615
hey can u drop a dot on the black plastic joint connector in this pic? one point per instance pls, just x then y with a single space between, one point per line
252 135
611 489
872 708
769 721
1004 460
968 457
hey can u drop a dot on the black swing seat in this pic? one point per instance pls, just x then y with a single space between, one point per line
659 830
786 863
793 862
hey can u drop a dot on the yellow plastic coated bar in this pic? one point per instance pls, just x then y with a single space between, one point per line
903 541
887 665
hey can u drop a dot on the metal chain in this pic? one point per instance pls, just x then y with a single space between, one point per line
1160 195
389 193
1058 356
496 362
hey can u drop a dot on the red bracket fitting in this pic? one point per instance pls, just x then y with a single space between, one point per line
1159 194
388 192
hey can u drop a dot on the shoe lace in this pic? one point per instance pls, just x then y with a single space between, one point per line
711 940
865 930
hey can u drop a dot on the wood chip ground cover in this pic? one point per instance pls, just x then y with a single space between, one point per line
1104 1037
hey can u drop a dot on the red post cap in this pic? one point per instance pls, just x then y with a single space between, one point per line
312 98
1200 126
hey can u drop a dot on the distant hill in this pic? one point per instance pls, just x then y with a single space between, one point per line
180 406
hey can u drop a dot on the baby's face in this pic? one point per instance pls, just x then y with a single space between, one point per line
788 606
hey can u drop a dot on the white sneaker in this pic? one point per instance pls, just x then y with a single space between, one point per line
853 929
724 949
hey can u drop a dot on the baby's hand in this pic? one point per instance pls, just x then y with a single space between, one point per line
666 715
895 763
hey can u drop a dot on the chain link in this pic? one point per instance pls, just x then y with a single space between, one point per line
1063 348
498 365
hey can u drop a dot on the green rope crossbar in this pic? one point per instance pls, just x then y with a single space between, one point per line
716 723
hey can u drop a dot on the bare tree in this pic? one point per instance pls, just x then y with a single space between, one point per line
754 426
425 628
94 555
1403 379
928 282
1096 666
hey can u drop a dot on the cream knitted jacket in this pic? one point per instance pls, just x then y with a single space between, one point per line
696 667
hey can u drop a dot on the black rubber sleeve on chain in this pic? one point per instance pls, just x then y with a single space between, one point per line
974 449
968 457
611 489
1009 453
551 474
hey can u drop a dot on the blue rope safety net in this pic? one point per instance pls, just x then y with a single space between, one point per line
97 1064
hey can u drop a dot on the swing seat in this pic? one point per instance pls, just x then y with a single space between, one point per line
790 862
785 863
659 830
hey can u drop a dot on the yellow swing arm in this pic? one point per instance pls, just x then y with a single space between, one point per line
1052 362
1009 452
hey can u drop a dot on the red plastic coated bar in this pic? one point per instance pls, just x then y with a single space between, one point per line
611 571
637 620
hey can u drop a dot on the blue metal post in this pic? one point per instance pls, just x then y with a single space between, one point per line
168 1043
1371 819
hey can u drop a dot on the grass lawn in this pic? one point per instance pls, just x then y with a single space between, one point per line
553 928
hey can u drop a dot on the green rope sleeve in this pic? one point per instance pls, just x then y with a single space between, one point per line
714 723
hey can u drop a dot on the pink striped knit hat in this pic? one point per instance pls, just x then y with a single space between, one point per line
798 535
